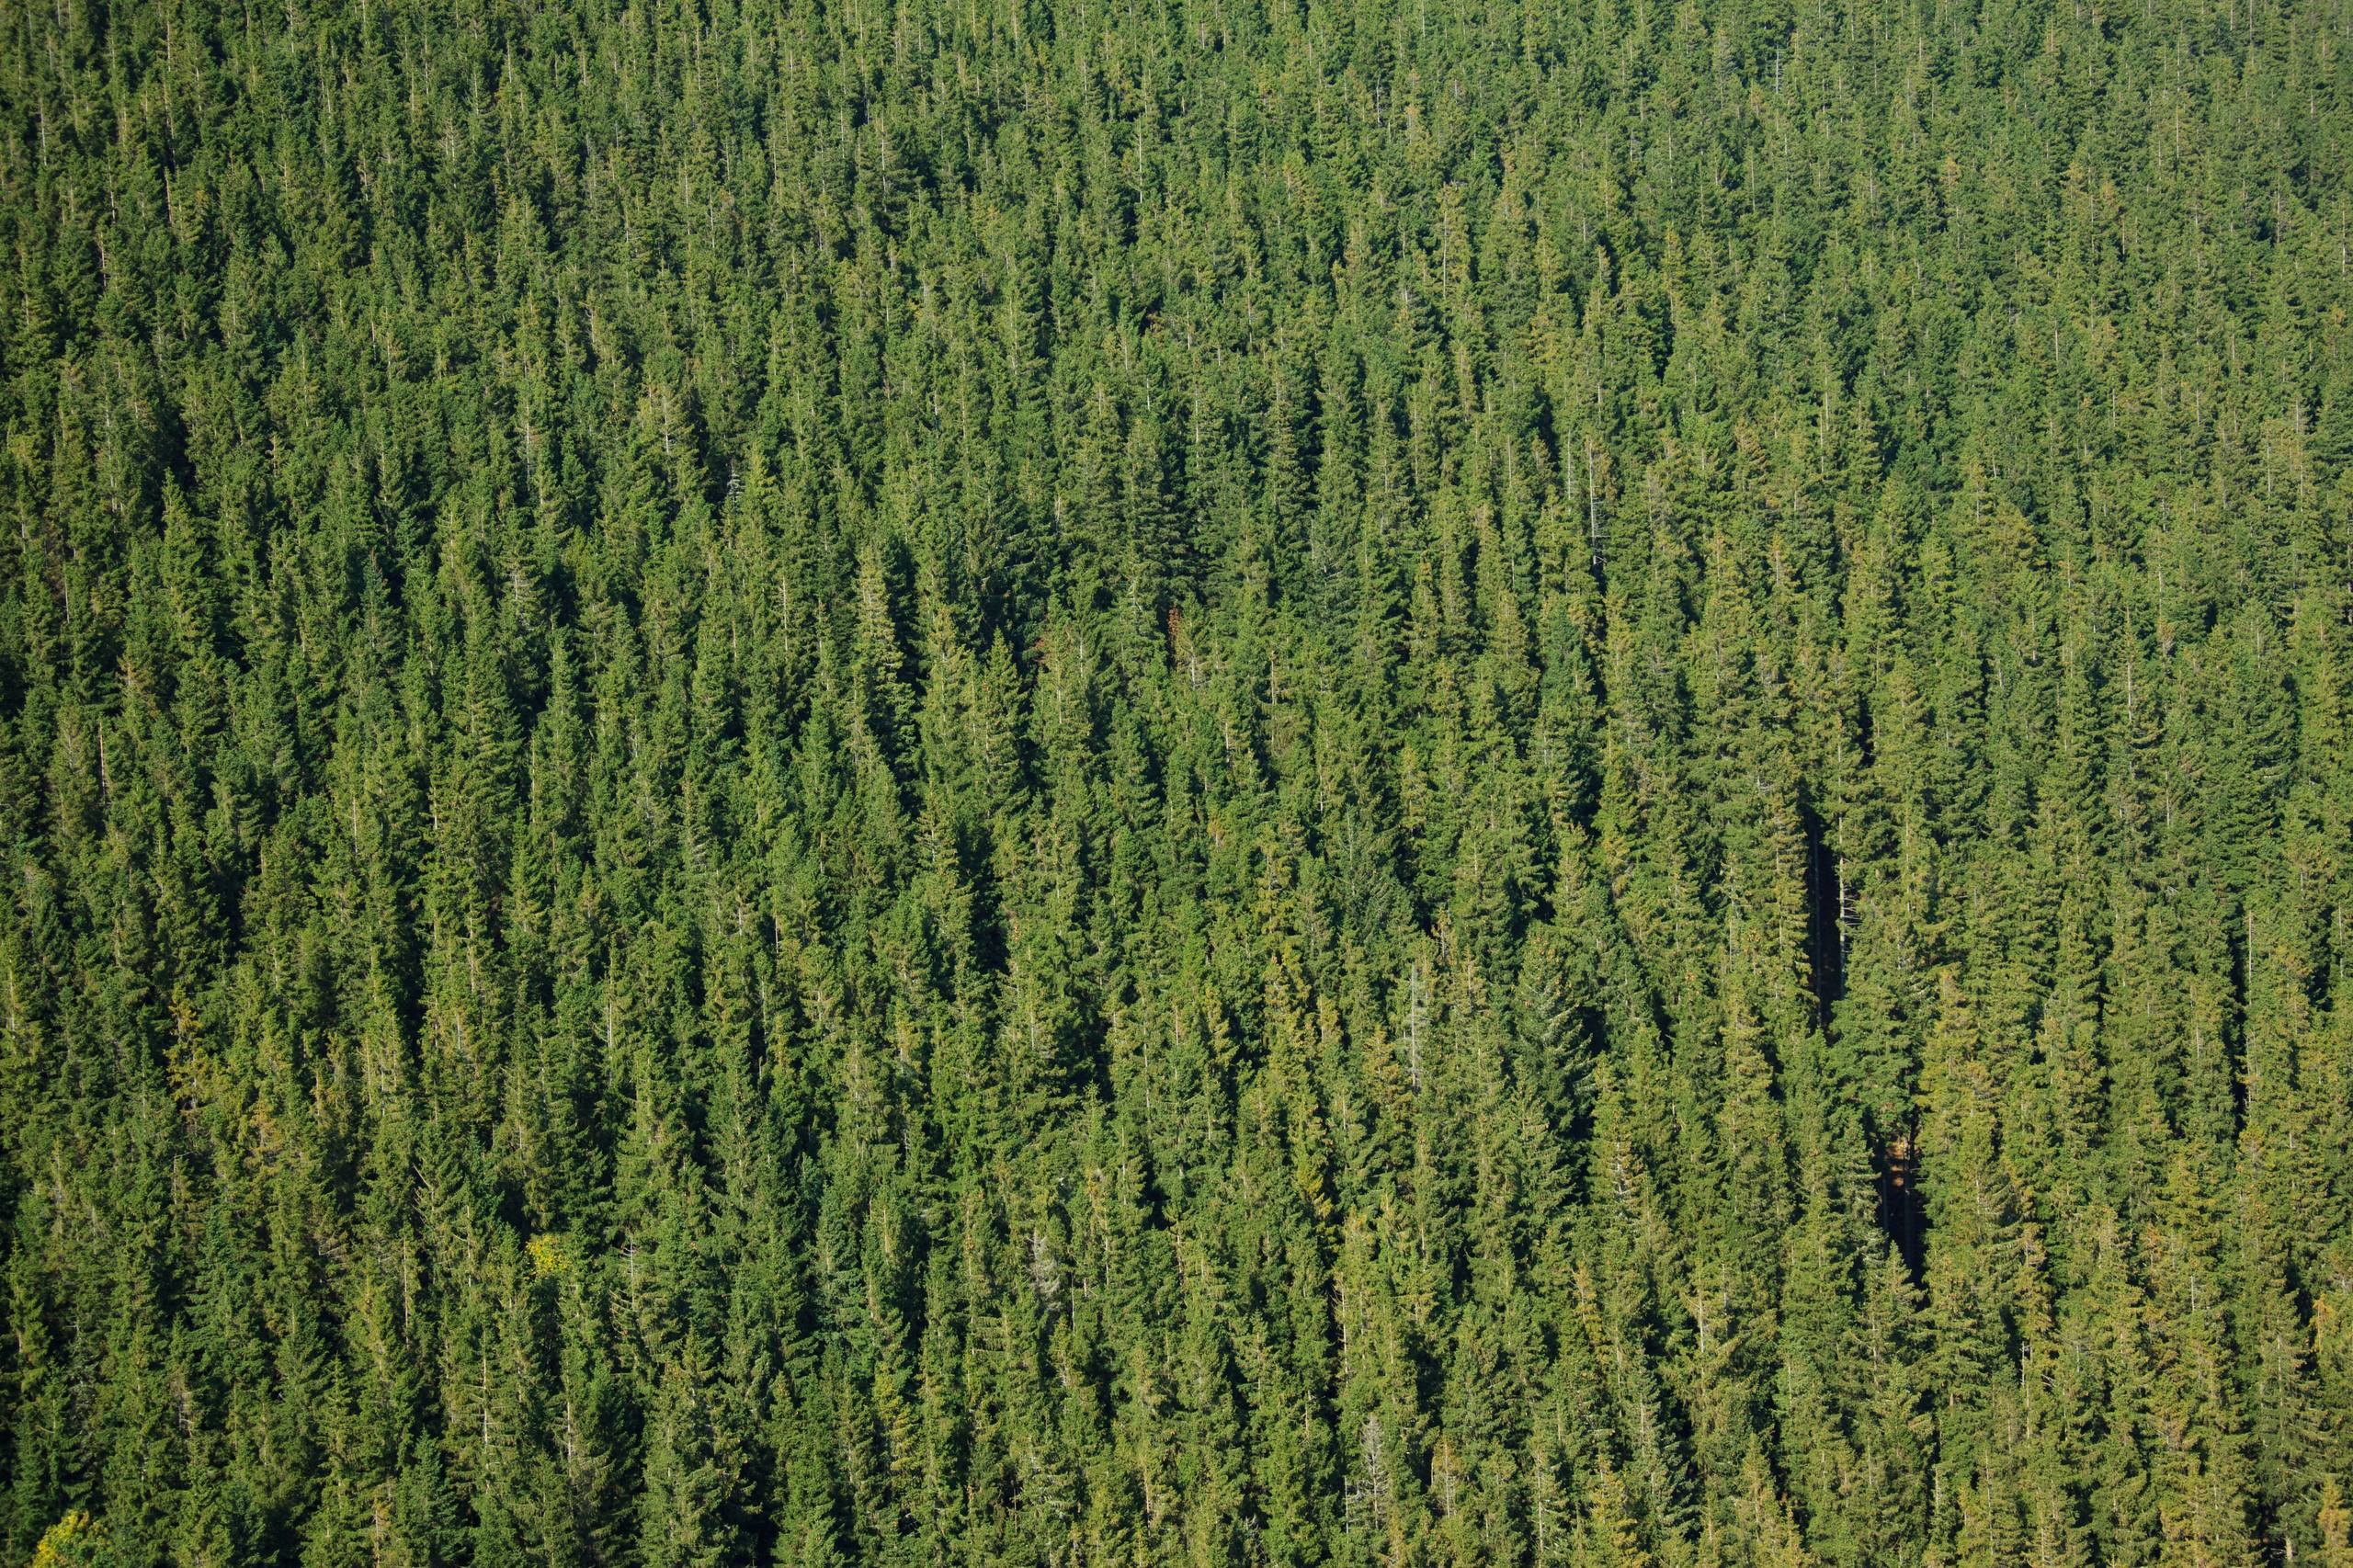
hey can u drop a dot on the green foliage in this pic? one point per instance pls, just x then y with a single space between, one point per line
1180 782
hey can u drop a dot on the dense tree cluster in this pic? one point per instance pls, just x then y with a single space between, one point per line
1176 783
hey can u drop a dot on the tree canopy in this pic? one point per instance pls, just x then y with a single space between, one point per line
1176 783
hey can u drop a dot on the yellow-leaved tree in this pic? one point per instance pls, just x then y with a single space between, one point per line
71 1542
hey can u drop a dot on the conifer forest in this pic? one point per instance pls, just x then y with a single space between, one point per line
1168 783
